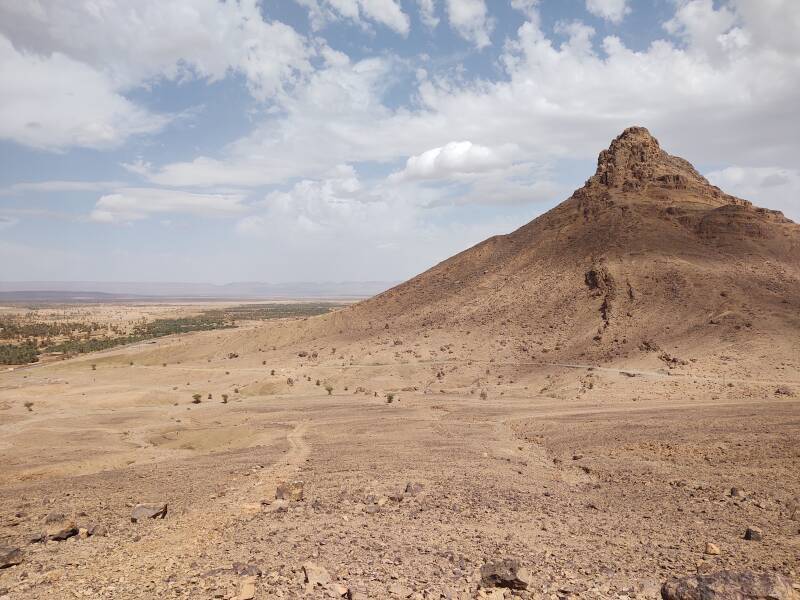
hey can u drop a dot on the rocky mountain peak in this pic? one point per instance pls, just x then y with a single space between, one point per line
635 159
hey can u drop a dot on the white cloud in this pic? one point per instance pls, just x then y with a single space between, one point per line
471 20
68 65
455 158
769 187
427 12
135 204
385 12
610 10
529 7
50 102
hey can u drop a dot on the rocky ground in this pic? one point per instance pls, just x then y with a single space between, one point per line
599 482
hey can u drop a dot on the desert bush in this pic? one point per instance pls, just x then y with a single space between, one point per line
196 398
484 395
389 398
329 388
224 398
29 406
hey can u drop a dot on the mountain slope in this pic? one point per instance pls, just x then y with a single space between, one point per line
647 250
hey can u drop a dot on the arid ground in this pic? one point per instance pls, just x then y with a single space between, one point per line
603 481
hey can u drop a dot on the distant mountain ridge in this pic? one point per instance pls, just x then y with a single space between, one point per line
103 290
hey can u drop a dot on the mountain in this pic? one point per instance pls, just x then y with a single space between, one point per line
646 255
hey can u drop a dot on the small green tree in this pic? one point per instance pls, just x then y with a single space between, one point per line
224 398
329 388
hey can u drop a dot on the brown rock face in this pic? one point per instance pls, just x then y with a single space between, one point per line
730 585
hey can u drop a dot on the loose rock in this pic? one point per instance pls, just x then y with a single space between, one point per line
732 585
58 527
292 491
10 556
712 549
506 573
315 575
154 510
754 534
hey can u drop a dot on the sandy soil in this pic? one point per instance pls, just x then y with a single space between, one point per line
601 489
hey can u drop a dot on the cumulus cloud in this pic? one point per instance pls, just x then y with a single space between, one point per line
53 101
470 19
455 158
610 10
62 89
385 12
770 187
135 204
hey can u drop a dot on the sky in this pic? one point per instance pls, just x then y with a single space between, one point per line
360 140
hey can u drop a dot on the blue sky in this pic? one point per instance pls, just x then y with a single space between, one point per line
329 140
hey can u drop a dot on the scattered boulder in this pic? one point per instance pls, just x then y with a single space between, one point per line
315 575
244 569
278 506
9 556
712 549
413 488
754 534
783 390
292 491
247 588
793 508
152 510
58 527
729 585
97 530
506 573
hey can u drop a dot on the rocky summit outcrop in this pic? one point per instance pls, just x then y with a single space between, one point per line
646 251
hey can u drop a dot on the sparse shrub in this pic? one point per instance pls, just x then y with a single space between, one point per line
235 390
329 388
272 372
318 383
263 363
389 398
196 398
224 398
131 363
209 397
163 364
290 381
94 367
29 406
484 395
